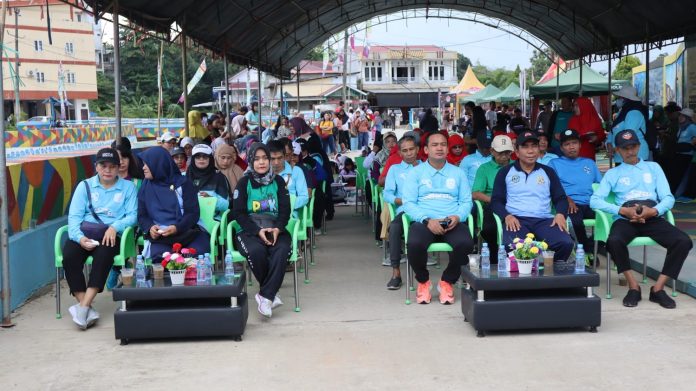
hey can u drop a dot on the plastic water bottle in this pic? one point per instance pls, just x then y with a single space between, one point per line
502 259
139 270
580 259
208 269
229 269
200 271
485 257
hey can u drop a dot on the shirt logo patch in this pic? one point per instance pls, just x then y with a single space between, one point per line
515 179
95 197
450 183
540 180
118 197
625 181
586 169
647 177
266 205
427 183
235 195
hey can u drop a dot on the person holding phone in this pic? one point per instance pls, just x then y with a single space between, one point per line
261 206
437 198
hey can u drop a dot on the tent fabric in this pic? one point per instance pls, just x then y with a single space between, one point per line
510 94
469 84
481 96
274 35
593 84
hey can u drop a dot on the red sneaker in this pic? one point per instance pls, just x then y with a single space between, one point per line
446 292
423 293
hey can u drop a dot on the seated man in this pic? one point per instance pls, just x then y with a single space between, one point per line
523 195
437 198
641 198
501 149
293 176
577 174
472 162
396 180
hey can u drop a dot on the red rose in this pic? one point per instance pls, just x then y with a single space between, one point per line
165 262
176 247
192 251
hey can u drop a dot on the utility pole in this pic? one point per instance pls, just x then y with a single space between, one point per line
345 66
18 108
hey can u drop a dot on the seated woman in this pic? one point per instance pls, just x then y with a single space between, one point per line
130 168
228 162
206 180
102 207
348 172
168 209
179 157
544 155
261 206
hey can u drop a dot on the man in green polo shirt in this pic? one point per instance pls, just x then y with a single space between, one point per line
501 150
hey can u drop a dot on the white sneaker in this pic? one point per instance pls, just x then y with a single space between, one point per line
277 302
79 315
432 260
265 306
92 317
404 259
386 261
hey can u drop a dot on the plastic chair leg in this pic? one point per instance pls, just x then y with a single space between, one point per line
608 276
303 254
294 283
323 224
674 287
58 314
594 260
645 264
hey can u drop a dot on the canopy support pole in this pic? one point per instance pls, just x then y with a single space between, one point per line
609 111
581 62
258 128
297 75
345 75
647 73
227 94
558 79
184 81
117 74
282 98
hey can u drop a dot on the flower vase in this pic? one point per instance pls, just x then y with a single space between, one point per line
525 266
177 276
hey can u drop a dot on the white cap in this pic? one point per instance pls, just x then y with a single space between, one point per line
296 148
628 92
186 141
201 148
687 112
502 143
166 137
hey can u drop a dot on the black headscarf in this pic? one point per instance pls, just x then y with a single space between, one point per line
630 105
201 177
261 179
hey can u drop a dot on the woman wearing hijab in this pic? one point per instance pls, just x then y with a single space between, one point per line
587 123
168 209
196 131
456 149
261 206
323 201
227 161
634 116
206 180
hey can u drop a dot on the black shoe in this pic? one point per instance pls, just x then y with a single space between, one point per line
632 298
394 283
662 298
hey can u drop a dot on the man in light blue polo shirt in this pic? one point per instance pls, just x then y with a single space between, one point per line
523 194
437 198
633 115
471 163
393 189
577 174
641 198
293 176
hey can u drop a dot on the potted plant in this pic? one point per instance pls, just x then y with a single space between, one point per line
178 262
526 251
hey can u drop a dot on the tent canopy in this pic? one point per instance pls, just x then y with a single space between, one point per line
481 96
469 84
274 35
510 94
569 84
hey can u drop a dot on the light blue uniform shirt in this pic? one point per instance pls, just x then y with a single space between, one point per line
297 184
634 120
685 136
471 163
436 194
252 117
547 158
577 176
395 182
643 181
116 206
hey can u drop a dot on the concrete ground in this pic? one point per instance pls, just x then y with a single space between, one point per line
354 334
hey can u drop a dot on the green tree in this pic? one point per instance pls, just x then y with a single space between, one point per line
463 63
317 54
540 63
624 68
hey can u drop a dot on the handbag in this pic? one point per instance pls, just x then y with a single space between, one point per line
94 231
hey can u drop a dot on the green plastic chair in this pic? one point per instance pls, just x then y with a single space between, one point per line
207 216
293 228
222 237
306 248
360 182
323 217
127 250
310 221
434 247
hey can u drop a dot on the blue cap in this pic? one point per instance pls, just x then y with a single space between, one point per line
626 138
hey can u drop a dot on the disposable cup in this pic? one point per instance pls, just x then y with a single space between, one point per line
474 261
127 276
548 258
158 271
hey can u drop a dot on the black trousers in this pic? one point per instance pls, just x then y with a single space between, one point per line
74 258
489 231
678 164
266 262
396 233
584 212
658 229
420 237
319 206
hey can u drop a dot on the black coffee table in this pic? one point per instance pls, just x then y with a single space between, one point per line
554 298
162 310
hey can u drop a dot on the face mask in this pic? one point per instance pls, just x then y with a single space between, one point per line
620 102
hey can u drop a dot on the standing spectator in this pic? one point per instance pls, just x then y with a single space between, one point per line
102 207
634 116
343 135
667 140
326 129
252 118
283 128
479 125
558 123
429 123
544 117
686 139
299 125
362 129
518 123
588 125
491 115
392 119
196 130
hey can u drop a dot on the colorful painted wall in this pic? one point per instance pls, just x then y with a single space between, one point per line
152 132
41 137
667 82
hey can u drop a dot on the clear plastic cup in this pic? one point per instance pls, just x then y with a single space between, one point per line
127 276
548 258
474 261
158 271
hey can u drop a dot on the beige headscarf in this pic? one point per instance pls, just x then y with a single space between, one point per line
233 173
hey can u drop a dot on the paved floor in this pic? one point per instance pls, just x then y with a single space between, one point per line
354 334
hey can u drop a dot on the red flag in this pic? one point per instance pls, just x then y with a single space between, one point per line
352 42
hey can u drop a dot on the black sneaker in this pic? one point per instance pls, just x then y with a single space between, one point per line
632 298
394 283
662 298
